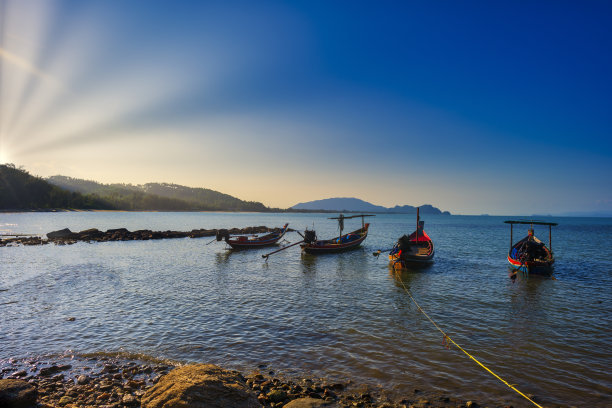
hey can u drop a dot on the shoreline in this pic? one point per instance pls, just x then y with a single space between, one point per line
116 380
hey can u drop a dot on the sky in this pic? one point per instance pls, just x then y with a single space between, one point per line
474 106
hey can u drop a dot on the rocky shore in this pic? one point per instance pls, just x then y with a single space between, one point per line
74 382
67 237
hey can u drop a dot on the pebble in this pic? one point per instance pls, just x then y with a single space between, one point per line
129 400
82 379
19 374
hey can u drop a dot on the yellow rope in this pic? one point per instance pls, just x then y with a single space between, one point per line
446 337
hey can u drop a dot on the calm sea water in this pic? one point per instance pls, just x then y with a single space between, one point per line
343 316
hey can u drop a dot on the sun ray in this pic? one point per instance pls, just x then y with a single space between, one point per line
30 68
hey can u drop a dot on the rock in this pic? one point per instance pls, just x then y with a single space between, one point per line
17 394
277 396
90 234
199 385
82 380
65 400
329 393
103 397
47 371
366 396
121 231
110 368
471 404
60 234
19 374
337 386
310 403
129 400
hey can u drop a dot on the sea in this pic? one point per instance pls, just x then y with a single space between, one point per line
340 317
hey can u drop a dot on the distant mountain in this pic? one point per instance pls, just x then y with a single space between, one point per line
19 190
357 205
158 196
339 204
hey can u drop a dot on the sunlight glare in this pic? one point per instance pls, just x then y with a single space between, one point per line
4 157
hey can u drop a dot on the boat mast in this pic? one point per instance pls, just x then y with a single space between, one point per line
550 237
511 225
417 227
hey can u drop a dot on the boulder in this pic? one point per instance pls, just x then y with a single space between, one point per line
310 403
90 234
117 231
200 386
17 394
60 234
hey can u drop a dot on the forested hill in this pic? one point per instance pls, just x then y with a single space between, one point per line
158 196
21 191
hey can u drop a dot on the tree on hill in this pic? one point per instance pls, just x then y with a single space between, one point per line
19 190
158 196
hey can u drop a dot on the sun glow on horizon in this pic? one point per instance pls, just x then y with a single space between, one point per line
4 157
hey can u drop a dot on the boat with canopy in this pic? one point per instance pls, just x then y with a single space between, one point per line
313 245
530 255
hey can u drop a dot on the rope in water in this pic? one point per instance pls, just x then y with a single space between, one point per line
447 338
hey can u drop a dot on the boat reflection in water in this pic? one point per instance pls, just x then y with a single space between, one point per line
406 275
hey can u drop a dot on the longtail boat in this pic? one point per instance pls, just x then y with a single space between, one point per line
416 248
313 245
253 241
530 255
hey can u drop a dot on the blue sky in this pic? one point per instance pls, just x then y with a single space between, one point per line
474 107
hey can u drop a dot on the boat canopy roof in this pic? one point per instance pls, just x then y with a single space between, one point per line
342 216
531 222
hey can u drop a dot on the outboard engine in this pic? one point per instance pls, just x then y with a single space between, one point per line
404 242
310 236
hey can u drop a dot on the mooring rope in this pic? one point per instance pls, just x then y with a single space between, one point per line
447 338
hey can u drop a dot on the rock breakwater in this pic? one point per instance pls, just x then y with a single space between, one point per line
67 237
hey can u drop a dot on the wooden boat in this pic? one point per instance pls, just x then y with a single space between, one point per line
254 241
416 248
352 240
530 255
